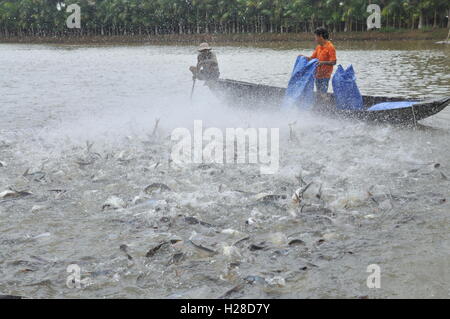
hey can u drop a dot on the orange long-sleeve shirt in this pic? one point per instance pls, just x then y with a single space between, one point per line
325 53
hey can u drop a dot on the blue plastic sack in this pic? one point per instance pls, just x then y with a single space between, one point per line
345 89
391 105
300 90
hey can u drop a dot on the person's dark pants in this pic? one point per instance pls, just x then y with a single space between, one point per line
203 76
322 100
322 85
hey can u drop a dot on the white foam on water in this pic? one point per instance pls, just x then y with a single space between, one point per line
111 97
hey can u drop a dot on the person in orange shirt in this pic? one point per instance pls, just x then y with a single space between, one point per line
326 54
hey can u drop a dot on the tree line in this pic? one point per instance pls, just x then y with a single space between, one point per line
147 17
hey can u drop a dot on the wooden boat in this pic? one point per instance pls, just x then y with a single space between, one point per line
258 96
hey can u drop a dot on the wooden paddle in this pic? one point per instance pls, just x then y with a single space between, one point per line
193 86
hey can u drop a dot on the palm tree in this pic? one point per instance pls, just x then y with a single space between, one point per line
120 17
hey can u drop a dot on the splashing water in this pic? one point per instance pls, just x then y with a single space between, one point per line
78 132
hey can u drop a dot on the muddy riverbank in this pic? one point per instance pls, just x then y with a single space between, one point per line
230 39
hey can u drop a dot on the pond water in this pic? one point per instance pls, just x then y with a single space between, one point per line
78 134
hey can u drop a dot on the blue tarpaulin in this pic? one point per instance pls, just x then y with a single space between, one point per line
391 105
345 89
300 91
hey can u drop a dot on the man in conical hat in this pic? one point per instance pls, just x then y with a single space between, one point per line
207 68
